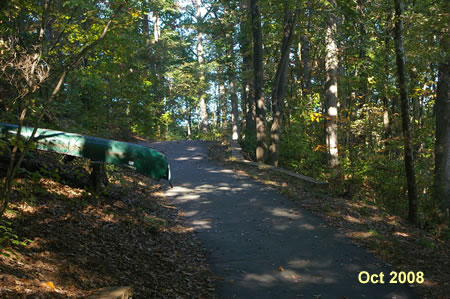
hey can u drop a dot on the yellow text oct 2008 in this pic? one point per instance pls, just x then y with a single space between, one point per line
394 277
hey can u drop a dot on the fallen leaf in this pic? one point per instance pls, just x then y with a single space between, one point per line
47 284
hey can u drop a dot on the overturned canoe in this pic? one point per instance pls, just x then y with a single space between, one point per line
144 160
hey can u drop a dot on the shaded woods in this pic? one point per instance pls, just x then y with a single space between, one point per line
355 93
337 90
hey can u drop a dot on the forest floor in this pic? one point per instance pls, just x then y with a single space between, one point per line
65 242
390 238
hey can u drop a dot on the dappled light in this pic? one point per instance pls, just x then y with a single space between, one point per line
189 158
201 224
74 241
259 242
224 149
56 188
307 226
351 219
286 213
263 279
362 235
402 234
187 197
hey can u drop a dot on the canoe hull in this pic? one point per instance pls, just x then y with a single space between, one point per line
144 160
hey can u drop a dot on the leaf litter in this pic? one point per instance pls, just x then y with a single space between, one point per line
129 235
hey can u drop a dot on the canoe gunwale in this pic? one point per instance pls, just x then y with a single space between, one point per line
142 159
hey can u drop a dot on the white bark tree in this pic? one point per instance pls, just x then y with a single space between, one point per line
331 66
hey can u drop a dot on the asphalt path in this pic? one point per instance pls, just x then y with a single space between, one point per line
263 245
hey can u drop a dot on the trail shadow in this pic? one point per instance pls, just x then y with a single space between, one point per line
262 245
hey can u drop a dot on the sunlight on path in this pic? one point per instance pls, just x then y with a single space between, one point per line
262 245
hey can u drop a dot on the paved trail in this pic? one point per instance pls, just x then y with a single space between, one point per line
252 231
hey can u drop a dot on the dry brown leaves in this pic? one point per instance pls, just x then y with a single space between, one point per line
130 236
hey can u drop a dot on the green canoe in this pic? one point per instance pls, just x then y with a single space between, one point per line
144 160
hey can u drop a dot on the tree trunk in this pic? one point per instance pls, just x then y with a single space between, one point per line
202 98
157 67
156 27
221 100
97 179
231 73
442 147
331 66
248 97
189 122
386 112
261 145
363 87
146 29
224 105
306 66
234 109
305 56
406 126
279 87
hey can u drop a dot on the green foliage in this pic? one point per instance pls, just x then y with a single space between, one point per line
9 238
425 243
299 151
154 224
248 143
132 84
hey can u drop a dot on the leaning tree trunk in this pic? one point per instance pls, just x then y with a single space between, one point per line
279 88
331 66
442 147
406 126
261 145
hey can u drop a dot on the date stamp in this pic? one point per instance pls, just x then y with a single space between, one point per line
393 278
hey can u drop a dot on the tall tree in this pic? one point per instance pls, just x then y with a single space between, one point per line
404 98
234 109
306 67
202 95
258 72
247 95
222 100
331 67
442 114
387 38
362 70
229 11
279 85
